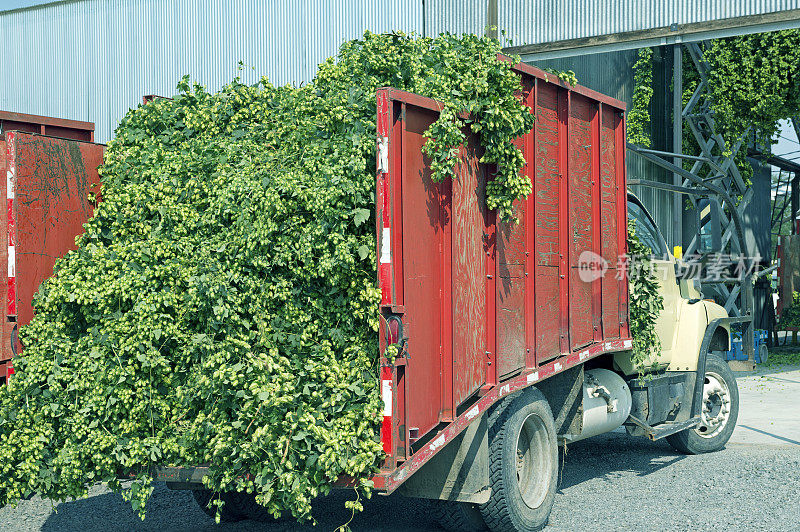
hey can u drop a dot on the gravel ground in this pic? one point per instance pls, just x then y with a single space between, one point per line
611 482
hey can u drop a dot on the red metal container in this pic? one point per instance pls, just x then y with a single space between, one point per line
484 307
47 187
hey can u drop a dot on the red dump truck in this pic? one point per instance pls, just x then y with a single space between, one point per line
513 337
50 166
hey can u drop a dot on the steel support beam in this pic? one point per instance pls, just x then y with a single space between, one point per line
677 137
714 175
674 34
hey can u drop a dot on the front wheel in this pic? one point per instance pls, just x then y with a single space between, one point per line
719 411
523 465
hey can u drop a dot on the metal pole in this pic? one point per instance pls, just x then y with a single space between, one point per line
677 138
491 19
795 202
748 327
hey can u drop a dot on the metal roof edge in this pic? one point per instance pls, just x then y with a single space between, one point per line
673 34
37 6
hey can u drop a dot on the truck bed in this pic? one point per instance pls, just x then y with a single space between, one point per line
484 307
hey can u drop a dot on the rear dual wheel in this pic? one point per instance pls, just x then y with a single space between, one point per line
523 471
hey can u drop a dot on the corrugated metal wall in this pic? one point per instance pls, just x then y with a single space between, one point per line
94 59
541 21
572 19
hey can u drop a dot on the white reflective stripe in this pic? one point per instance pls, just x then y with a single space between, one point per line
533 376
438 442
628 343
9 185
386 246
386 393
12 260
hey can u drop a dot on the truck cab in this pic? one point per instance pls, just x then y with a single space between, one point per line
687 322
687 313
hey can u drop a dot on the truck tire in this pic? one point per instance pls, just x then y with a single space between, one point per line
455 516
719 413
238 506
523 465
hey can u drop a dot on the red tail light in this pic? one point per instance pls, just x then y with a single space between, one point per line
395 330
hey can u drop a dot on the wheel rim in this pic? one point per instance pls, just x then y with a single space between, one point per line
716 406
534 463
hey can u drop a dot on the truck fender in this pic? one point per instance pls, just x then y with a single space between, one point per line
711 336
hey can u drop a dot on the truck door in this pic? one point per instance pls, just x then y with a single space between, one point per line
664 269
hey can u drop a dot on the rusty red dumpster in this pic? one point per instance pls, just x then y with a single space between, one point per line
484 307
47 188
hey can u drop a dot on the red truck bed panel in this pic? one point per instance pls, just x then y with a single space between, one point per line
485 302
46 209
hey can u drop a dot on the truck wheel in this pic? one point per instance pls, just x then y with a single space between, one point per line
455 516
238 506
719 411
523 465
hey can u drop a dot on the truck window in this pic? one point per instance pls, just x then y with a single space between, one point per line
647 231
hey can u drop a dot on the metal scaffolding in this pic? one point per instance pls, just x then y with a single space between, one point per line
713 179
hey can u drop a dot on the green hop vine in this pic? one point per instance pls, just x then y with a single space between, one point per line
753 84
638 123
790 316
565 76
221 306
645 302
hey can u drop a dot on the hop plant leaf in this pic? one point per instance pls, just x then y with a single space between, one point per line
645 303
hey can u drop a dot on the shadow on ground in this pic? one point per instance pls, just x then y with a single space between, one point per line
608 456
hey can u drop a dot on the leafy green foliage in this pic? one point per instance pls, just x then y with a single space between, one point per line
752 84
638 124
565 76
645 302
783 356
790 316
221 307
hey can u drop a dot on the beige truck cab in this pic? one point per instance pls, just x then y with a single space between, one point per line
686 314
682 328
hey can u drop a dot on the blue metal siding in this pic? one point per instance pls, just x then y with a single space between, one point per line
94 59
455 16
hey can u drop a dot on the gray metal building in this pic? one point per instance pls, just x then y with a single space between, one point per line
93 60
